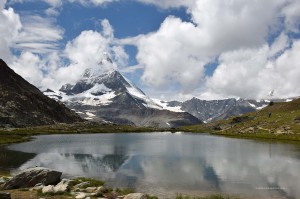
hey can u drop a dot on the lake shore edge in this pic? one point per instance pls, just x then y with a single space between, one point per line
40 182
19 135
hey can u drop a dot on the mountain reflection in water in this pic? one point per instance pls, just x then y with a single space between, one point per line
163 163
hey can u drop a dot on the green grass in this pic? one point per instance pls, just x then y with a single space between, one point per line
151 197
41 194
125 191
91 182
281 126
9 136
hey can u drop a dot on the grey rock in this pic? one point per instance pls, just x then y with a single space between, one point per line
81 185
32 176
48 189
91 189
38 186
136 196
5 195
2 180
62 186
81 195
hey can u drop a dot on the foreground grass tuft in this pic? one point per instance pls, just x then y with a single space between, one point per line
125 191
91 182
151 197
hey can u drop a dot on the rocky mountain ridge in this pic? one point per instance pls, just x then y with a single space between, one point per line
22 104
111 97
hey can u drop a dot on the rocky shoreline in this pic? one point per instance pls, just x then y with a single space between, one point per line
44 183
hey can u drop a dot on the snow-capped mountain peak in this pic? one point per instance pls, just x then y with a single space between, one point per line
103 93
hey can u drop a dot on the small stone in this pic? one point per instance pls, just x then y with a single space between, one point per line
102 189
48 189
81 196
90 189
136 196
62 186
81 185
97 194
5 195
38 186
2 180
88 198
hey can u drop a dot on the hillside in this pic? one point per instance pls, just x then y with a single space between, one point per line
283 123
22 104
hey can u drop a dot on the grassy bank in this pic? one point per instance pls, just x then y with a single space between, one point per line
282 125
15 135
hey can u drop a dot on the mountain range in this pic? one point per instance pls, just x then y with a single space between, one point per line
212 110
109 96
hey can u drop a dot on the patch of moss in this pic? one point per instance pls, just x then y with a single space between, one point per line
91 182
125 191
151 197
41 194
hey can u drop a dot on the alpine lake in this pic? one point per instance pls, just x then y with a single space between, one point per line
166 164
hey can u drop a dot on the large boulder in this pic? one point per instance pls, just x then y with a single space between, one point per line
32 176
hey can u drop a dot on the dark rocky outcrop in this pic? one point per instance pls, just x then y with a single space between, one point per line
297 119
5 195
22 104
239 119
32 176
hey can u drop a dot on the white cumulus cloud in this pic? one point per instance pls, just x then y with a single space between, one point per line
237 33
10 25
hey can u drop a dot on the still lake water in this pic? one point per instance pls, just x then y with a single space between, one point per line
165 163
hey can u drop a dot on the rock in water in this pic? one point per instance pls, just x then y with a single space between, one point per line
32 176
5 196
136 196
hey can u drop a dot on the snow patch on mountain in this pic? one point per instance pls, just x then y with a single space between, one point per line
137 93
165 105
90 116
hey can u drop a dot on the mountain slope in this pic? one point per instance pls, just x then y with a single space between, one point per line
221 109
279 121
212 110
111 97
22 104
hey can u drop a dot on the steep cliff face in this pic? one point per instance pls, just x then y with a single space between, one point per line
22 104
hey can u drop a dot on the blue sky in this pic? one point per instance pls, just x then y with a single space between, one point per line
172 49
